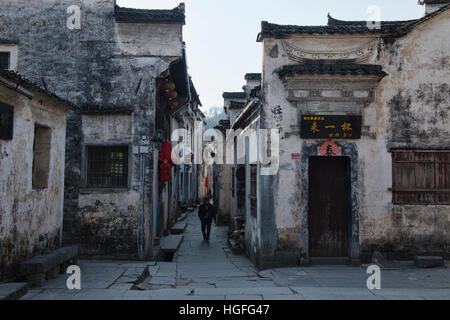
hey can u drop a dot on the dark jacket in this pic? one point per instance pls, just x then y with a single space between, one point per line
207 213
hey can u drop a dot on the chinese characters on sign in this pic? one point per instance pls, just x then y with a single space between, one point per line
330 127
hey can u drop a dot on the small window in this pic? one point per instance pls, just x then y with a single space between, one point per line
421 177
5 58
253 195
41 156
6 121
107 167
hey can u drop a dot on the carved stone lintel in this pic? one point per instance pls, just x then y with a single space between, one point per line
359 54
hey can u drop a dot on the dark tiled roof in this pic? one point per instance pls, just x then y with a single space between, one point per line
280 31
433 1
330 68
335 22
130 15
252 105
8 41
194 92
224 123
335 26
253 76
234 95
236 105
27 84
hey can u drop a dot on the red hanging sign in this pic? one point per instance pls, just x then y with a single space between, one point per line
165 162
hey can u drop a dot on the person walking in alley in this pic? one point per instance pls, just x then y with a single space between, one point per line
207 214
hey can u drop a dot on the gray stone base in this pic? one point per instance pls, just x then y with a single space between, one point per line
53 273
280 259
36 280
429 262
13 290
356 262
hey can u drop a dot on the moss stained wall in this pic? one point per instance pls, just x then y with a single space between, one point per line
104 66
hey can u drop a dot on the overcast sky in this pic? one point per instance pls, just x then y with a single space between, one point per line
220 35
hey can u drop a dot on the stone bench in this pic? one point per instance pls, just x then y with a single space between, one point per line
429 261
48 266
179 227
169 245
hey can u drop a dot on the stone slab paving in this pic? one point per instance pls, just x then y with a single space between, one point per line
209 271
10 291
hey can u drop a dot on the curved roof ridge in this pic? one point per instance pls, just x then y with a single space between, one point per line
133 15
335 22
335 26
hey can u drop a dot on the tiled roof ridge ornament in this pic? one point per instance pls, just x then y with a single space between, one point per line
332 68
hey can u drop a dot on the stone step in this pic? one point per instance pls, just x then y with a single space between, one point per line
179 227
13 290
429 261
182 217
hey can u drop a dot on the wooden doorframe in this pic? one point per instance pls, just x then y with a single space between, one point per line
346 166
348 149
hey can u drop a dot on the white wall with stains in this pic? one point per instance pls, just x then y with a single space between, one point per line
410 110
30 218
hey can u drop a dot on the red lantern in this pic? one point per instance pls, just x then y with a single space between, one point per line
165 162
207 183
172 104
168 86
171 95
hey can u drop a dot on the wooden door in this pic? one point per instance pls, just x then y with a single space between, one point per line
329 206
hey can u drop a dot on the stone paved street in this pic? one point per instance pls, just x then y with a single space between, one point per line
202 271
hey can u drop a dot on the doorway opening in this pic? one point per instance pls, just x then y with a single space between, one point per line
329 213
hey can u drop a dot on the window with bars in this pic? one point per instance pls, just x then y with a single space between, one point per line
107 167
4 60
421 177
253 196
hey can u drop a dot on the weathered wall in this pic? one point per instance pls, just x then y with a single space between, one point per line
30 219
167 36
104 66
410 110
222 177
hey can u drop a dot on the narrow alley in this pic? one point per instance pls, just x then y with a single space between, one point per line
318 133
202 271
